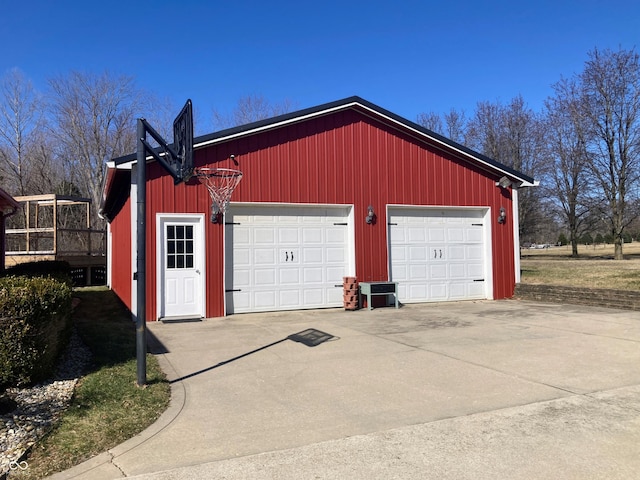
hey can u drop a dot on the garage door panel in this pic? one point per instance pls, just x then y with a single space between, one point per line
285 257
264 236
457 271
475 271
336 255
400 274
475 290
397 235
418 253
456 253
437 292
334 274
416 235
455 234
289 276
437 254
243 256
474 235
438 272
312 235
312 275
264 300
289 298
288 236
418 272
241 236
436 235
241 278
264 278
336 236
312 255
264 256
458 291
313 297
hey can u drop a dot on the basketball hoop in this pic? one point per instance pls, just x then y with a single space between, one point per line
221 182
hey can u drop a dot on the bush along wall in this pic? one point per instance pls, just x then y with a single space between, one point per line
35 325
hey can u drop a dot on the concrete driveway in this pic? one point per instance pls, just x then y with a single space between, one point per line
465 390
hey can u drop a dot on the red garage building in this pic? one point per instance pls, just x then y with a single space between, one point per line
445 224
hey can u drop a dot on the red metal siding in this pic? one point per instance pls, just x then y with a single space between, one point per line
341 158
121 273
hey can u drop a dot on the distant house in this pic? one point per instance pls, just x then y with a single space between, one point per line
8 206
342 189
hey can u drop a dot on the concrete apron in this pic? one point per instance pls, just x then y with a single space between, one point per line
486 389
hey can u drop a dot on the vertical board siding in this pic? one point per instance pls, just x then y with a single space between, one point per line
341 158
121 261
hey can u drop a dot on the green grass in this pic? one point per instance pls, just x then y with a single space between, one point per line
108 407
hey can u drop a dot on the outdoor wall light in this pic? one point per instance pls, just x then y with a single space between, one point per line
503 215
504 182
371 215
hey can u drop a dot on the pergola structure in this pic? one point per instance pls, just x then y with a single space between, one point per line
57 227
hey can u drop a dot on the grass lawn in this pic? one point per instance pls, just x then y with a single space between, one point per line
108 407
594 268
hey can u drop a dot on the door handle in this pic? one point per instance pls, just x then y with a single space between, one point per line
286 258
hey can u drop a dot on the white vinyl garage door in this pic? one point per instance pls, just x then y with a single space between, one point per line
438 254
284 257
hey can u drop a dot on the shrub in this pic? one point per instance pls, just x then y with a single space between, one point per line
35 324
57 269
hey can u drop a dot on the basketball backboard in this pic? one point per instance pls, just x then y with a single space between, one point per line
183 143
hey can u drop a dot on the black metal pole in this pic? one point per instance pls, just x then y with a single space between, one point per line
141 195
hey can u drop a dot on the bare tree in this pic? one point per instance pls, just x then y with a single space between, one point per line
251 108
21 122
451 125
432 121
569 182
455 125
95 121
610 105
513 135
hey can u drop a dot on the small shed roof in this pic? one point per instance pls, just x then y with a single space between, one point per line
8 204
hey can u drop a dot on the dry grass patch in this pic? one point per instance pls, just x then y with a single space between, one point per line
594 268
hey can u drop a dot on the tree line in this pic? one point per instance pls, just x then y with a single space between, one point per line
583 146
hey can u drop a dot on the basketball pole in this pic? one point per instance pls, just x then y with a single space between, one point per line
175 165
141 245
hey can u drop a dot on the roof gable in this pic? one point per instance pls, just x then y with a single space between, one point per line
111 189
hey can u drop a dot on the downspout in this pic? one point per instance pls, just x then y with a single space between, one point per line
516 233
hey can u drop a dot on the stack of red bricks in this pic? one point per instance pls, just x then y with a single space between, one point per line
350 296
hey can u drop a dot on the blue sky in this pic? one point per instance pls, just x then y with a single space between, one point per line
406 56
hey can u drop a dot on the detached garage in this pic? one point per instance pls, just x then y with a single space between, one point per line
342 189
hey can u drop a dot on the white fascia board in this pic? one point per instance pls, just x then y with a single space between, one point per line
447 146
272 126
373 113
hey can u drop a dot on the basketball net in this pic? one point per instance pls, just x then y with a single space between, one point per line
221 182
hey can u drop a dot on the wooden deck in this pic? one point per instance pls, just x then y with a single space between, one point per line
57 227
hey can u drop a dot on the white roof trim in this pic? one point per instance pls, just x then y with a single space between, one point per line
374 113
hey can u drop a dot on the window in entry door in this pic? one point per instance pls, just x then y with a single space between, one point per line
179 246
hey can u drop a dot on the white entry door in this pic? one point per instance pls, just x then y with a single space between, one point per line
438 254
181 262
284 257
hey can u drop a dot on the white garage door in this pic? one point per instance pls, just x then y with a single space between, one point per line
285 257
438 254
